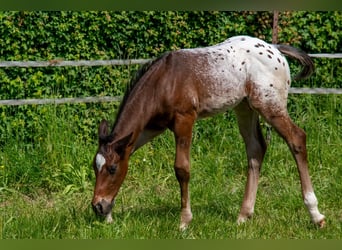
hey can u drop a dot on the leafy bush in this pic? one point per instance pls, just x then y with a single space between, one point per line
66 35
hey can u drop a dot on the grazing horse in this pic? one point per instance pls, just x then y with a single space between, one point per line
242 73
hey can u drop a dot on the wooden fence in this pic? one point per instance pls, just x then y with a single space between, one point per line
62 63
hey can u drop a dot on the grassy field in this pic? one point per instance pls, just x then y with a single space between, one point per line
46 187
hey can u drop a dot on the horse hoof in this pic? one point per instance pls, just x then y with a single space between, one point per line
241 221
319 221
321 224
183 227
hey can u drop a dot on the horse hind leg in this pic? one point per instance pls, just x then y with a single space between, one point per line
295 138
250 130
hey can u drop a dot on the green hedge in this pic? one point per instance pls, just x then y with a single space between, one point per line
131 34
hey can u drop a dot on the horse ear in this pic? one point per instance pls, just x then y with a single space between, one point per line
121 144
103 129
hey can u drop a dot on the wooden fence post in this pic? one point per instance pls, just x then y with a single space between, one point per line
275 27
274 41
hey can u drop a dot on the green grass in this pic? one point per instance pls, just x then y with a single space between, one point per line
46 187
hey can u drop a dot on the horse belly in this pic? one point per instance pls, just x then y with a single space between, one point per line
223 97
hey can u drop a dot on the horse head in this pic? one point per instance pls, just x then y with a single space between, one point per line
110 166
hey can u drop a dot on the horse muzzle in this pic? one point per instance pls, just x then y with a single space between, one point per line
103 207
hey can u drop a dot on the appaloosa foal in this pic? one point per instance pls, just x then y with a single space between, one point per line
242 73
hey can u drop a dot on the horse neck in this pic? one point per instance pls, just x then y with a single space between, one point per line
135 115
141 104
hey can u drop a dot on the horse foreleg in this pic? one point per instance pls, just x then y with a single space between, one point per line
250 130
183 133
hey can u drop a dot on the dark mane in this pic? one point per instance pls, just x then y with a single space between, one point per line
133 83
129 88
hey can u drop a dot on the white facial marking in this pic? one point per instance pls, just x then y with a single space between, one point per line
100 161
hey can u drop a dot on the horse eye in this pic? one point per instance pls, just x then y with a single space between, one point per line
112 169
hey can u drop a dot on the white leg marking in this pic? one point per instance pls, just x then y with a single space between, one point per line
100 161
311 203
241 220
186 217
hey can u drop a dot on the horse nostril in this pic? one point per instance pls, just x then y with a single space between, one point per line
102 207
98 209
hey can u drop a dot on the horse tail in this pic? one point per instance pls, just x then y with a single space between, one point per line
302 57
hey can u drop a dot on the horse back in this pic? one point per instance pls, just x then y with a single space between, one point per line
213 79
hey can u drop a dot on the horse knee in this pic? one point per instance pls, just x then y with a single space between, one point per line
182 173
255 154
298 144
254 165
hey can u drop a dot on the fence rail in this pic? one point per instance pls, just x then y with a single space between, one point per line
62 63
99 99
72 100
